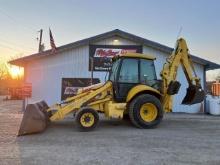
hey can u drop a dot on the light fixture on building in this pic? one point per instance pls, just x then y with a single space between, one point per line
115 41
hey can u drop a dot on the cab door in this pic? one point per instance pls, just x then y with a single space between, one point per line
128 77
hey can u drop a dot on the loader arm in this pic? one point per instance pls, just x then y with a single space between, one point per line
180 56
80 100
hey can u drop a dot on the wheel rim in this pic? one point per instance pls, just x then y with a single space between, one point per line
148 112
87 119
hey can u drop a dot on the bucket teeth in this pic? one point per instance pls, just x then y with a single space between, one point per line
194 95
35 118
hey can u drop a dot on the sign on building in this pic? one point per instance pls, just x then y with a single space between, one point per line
100 55
70 86
26 90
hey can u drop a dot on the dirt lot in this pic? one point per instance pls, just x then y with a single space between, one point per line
180 139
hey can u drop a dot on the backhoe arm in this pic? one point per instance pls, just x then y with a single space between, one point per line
180 56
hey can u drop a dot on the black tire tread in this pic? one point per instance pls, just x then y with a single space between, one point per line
142 98
80 113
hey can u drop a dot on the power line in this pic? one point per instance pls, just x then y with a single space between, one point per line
3 36
12 49
16 21
17 45
33 39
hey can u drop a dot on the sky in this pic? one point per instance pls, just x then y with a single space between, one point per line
72 20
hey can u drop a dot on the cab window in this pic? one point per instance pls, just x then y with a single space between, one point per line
129 71
147 71
113 72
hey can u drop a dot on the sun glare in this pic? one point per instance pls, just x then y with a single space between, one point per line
16 72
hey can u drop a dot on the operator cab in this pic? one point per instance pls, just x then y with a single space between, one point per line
129 70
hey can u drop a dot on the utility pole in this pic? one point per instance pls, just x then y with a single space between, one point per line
40 45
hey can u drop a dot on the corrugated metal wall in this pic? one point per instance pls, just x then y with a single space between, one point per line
46 73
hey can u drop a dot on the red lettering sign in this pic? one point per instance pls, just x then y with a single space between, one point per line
110 52
26 90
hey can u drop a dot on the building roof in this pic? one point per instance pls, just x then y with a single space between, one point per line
21 61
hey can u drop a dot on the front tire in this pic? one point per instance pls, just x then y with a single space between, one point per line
87 119
145 111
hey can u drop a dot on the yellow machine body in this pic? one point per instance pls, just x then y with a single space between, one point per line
142 89
101 103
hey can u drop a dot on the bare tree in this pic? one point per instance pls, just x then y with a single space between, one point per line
4 72
16 56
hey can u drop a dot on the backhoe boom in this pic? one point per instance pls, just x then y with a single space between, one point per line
180 56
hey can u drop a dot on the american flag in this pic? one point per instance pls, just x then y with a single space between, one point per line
52 44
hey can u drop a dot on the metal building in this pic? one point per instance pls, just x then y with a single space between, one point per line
54 75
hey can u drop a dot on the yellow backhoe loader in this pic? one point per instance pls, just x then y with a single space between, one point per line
132 89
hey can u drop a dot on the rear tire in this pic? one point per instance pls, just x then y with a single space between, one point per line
87 119
145 111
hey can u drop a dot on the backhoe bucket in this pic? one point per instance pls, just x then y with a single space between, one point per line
194 95
35 118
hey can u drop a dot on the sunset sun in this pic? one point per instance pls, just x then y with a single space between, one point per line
16 72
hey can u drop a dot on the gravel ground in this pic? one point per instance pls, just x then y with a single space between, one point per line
180 139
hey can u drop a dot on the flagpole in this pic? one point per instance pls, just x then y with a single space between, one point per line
52 43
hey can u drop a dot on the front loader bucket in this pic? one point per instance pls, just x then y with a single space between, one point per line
43 108
194 95
35 119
